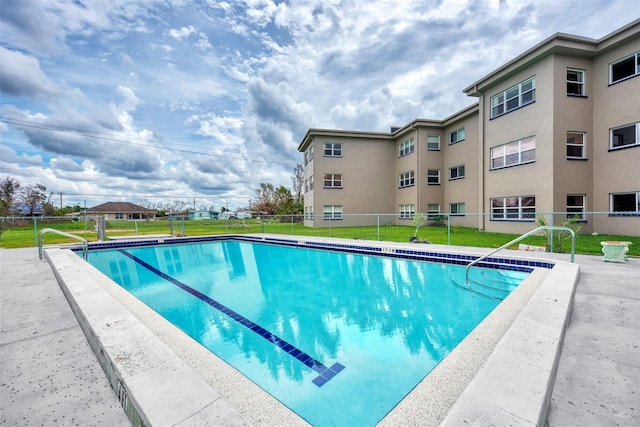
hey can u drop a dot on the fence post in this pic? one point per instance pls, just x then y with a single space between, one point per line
292 231
551 222
378 218
35 231
449 230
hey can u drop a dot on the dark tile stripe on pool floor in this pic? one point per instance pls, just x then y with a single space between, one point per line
325 373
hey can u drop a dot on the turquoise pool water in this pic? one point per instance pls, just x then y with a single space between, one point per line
339 338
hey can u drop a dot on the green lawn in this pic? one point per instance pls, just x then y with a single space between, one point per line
21 234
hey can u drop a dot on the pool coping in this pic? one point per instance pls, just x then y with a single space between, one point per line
154 368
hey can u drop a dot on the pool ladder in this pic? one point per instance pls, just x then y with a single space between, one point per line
543 227
85 243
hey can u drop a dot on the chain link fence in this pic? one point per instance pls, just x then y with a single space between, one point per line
469 229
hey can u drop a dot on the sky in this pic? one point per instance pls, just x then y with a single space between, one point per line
159 101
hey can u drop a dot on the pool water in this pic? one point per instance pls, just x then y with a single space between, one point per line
339 338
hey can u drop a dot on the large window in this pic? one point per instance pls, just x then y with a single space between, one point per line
407 179
624 68
625 136
433 176
433 209
407 211
626 203
332 211
576 206
456 136
456 172
576 145
456 209
516 96
332 149
433 142
522 208
405 148
575 82
514 153
332 180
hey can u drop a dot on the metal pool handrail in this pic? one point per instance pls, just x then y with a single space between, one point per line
543 227
85 243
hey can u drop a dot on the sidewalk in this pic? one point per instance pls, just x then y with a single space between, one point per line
48 373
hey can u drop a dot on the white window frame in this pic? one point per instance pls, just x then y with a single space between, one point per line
572 144
406 179
635 60
579 83
433 209
516 153
308 155
407 211
612 204
311 183
431 175
433 142
517 208
456 136
332 180
119 215
406 147
457 209
332 212
612 136
575 208
459 172
306 185
519 95
332 149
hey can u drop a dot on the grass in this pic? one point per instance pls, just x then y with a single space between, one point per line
22 233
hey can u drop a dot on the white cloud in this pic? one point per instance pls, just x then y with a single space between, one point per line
182 33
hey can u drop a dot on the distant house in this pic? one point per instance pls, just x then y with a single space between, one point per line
198 215
121 211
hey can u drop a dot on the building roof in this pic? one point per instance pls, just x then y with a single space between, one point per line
118 207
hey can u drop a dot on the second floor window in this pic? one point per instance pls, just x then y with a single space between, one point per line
332 149
406 148
625 136
456 136
433 176
516 96
575 82
576 145
332 180
407 179
514 153
456 172
624 68
433 142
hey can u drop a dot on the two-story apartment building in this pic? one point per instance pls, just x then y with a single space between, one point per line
557 129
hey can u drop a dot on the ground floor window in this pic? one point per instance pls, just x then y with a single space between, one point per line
625 203
407 211
332 211
119 216
308 212
456 208
433 209
576 206
520 208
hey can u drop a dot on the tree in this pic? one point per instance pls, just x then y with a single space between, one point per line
9 188
297 181
32 197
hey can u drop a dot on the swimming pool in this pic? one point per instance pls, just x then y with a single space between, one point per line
346 338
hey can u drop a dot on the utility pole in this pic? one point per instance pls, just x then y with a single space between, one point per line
60 201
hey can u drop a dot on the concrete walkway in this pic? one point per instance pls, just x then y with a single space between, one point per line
49 375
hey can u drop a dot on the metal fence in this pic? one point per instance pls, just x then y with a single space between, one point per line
469 229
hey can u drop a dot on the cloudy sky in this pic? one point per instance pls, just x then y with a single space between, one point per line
202 100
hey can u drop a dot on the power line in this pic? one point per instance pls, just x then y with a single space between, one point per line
131 140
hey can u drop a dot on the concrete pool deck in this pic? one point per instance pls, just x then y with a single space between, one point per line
596 384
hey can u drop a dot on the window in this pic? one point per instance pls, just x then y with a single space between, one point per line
626 203
433 142
332 180
433 176
311 183
308 212
513 208
456 136
332 149
456 209
433 209
332 212
624 68
306 185
308 155
576 206
407 211
514 153
575 82
516 96
119 216
456 172
576 145
625 136
406 179
406 147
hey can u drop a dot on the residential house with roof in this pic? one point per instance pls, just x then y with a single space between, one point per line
556 129
121 211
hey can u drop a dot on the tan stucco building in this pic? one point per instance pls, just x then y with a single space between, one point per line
557 129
